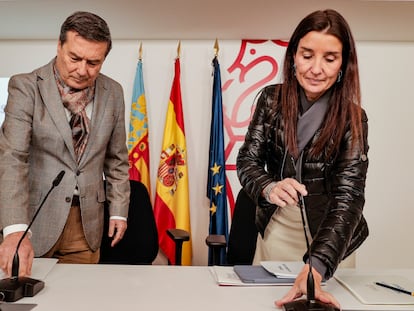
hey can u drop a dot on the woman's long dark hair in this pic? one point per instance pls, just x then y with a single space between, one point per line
345 103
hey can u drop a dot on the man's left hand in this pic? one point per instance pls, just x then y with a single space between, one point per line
116 230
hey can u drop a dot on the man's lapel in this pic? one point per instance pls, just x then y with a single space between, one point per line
51 99
99 104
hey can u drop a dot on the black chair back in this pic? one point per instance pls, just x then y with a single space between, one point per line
140 242
242 239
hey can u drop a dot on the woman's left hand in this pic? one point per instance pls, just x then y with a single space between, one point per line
299 288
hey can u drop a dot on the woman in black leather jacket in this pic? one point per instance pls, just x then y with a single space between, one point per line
308 139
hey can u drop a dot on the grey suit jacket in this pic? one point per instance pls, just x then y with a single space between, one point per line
36 144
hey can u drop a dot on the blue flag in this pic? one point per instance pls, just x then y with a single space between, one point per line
216 183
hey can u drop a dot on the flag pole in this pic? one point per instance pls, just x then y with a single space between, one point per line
216 48
140 51
179 49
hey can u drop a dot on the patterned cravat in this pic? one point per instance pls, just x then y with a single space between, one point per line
75 101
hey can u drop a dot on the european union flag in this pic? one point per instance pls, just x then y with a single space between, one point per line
216 183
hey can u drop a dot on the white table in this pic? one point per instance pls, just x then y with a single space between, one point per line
161 288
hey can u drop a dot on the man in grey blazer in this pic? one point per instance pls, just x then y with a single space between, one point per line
65 116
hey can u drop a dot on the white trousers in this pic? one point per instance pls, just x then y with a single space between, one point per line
284 239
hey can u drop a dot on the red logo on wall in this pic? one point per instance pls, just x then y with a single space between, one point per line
255 66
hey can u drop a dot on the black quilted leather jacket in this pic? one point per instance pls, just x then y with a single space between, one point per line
335 186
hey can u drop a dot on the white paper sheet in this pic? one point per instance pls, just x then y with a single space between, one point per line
363 287
283 269
226 276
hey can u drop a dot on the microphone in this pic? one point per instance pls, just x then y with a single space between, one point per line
15 287
310 303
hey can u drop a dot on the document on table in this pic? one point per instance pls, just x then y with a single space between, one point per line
283 269
41 267
258 274
227 276
363 287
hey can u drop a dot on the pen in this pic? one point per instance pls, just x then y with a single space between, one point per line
395 288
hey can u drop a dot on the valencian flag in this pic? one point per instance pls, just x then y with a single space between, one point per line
138 149
171 206
216 183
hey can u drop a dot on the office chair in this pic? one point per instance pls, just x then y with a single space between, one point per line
241 244
216 242
179 236
140 242
243 231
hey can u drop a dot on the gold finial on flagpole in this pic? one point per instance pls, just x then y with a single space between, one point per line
179 49
140 51
216 48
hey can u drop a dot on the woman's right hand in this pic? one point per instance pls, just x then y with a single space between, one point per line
299 288
285 192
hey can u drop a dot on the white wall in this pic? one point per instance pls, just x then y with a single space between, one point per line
387 85
386 70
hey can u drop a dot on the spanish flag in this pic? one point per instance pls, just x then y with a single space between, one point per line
171 207
138 149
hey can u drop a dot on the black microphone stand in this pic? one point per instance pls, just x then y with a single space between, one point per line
309 304
15 287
